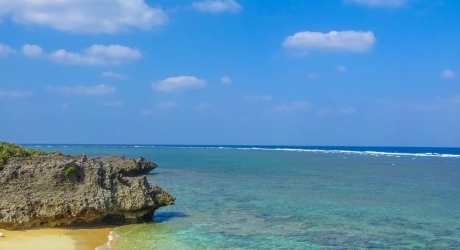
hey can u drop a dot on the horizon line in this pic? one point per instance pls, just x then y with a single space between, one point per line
238 145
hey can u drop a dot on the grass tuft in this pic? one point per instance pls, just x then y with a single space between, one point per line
8 150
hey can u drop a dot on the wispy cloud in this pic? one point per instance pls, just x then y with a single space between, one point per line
324 112
225 80
313 76
159 108
96 90
351 41
217 6
165 106
64 106
342 69
5 50
114 104
147 112
110 74
179 83
15 94
414 105
348 111
293 107
448 74
258 98
202 107
455 100
76 16
379 3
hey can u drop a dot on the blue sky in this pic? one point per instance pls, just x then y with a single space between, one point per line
295 72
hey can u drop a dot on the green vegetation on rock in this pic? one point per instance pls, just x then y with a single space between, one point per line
8 150
69 170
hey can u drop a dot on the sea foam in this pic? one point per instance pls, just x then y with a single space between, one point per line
112 237
373 153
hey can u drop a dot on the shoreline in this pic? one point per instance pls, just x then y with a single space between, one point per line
55 238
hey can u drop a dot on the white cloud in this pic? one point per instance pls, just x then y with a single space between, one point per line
225 80
217 6
32 50
259 98
293 107
110 74
342 69
179 83
448 74
348 111
353 41
15 94
97 55
100 89
84 16
5 50
379 3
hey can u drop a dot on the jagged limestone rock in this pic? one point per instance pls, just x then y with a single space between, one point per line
58 191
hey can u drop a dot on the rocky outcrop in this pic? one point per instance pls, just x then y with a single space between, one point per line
59 191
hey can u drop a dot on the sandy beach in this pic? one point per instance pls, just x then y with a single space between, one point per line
54 239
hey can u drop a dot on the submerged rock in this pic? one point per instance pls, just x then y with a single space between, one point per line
57 191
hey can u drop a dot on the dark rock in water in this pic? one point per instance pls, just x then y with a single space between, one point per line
55 190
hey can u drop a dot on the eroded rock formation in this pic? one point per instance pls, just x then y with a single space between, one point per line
57 191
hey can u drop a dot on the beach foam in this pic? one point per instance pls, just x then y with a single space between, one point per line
112 236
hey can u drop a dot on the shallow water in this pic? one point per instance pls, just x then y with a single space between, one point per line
230 198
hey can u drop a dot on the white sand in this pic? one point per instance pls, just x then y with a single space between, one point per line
54 239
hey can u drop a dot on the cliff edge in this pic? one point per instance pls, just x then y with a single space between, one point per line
56 190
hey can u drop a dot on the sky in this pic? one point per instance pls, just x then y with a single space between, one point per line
231 72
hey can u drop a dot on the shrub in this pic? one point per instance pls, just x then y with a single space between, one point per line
8 150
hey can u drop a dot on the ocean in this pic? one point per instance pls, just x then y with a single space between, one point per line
279 197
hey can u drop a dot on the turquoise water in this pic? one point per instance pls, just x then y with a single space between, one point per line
243 198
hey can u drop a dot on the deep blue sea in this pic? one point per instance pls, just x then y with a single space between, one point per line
279 197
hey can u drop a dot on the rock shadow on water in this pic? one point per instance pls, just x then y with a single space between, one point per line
161 217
